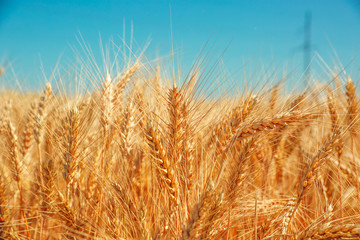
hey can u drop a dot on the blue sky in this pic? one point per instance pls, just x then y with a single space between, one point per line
252 32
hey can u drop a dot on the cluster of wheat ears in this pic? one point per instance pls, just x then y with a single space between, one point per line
140 158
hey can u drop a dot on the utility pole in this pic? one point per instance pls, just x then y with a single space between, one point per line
307 48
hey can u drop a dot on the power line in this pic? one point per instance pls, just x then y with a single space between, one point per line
307 48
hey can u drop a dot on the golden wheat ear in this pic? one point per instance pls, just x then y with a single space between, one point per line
310 173
16 166
165 173
41 113
352 113
343 231
28 133
71 154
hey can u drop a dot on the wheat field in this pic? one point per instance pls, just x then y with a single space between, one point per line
143 157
